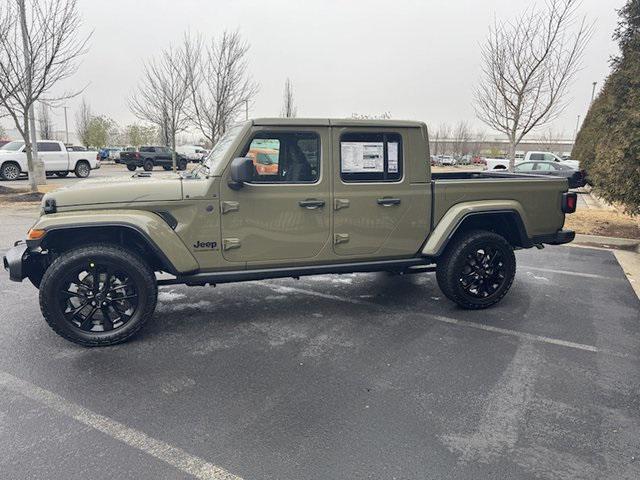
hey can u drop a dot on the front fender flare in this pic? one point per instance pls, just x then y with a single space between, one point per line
164 241
453 218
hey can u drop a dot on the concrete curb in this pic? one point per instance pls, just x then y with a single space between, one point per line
628 244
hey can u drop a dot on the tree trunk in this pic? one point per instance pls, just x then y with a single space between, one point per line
512 156
173 153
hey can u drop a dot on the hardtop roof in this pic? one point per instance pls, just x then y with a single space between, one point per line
337 122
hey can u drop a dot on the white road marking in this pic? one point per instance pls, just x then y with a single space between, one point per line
452 321
169 454
505 409
569 272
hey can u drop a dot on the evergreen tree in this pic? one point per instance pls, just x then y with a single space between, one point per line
608 144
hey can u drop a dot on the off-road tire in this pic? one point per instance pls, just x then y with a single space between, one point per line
126 261
83 169
451 264
10 171
182 164
147 165
131 167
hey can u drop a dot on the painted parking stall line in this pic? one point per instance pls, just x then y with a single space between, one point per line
572 273
454 321
174 456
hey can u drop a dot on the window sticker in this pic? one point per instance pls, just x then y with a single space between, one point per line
392 151
362 157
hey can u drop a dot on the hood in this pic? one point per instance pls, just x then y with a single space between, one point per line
153 188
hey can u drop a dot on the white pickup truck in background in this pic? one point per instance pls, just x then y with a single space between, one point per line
503 164
57 160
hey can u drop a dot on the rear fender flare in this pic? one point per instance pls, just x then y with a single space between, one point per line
457 214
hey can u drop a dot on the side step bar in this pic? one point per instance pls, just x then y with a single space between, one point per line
405 265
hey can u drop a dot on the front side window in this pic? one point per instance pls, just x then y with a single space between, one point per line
371 157
285 157
12 146
550 157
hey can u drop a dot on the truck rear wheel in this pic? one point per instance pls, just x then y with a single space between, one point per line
131 167
98 295
477 269
83 169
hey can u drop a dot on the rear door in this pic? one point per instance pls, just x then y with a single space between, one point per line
377 211
54 157
283 215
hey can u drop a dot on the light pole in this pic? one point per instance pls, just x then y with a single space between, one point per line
246 109
66 125
577 125
593 92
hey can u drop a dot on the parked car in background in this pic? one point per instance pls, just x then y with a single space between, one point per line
265 160
149 156
446 160
193 153
57 160
114 153
503 163
477 160
576 178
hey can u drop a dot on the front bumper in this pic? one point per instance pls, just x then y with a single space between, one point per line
557 238
15 261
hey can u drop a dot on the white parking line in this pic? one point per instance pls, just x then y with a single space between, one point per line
569 272
169 454
453 321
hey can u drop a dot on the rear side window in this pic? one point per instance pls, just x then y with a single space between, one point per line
49 147
147 149
371 157
536 156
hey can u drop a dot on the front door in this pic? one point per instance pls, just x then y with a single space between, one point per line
282 215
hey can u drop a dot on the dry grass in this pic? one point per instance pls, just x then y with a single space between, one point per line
607 223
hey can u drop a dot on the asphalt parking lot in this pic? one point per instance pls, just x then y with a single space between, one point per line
335 377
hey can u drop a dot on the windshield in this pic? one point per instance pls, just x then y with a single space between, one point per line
220 149
12 146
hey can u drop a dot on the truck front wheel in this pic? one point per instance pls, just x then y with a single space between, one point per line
98 295
477 269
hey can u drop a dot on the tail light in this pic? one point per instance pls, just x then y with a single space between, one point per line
137 155
569 202
97 156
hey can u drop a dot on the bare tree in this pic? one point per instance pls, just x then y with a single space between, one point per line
461 138
289 109
83 123
219 84
441 137
162 95
528 65
45 123
478 142
36 53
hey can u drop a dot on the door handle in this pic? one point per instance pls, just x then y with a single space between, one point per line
311 203
388 202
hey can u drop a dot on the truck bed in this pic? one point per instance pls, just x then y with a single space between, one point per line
539 196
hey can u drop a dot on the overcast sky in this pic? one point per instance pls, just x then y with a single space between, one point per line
414 59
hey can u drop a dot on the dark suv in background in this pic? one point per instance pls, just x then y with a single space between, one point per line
148 157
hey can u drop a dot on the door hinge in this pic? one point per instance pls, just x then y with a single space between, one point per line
340 238
230 243
229 206
339 203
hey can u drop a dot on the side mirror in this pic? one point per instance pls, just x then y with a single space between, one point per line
242 170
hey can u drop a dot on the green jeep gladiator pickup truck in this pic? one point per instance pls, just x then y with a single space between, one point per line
346 196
